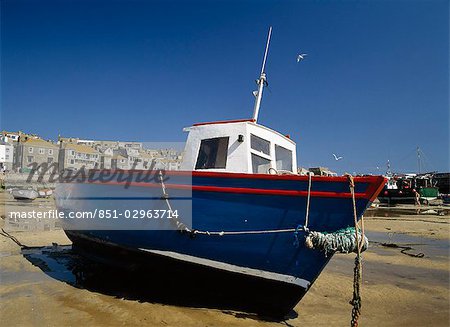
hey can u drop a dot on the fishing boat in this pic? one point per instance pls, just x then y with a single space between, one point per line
409 189
412 188
240 214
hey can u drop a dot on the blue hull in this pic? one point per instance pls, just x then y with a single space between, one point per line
230 203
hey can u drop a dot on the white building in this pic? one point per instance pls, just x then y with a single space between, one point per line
10 137
78 156
106 158
6 156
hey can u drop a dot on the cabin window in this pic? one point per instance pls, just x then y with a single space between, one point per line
283 158
260 165
260 144
212 153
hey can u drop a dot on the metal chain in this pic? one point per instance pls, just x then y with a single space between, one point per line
356 300
357 271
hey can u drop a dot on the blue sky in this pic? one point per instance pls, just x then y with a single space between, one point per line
375 83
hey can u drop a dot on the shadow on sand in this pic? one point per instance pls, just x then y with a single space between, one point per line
140 284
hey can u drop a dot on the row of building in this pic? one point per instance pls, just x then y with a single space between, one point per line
19 151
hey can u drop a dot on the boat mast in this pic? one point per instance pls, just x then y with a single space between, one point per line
388 171
262 81
418 158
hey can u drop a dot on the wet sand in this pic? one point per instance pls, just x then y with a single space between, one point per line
398 290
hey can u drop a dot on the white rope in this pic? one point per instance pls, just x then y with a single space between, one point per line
268 231
181 226
362 233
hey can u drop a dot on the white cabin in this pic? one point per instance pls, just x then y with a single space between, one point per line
238 146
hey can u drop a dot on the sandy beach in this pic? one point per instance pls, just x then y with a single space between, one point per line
398 289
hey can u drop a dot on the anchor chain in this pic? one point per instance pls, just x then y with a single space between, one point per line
356 300
357 271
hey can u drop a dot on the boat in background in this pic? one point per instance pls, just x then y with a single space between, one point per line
414 188
45 192
24 194
442 182
251 213
402 189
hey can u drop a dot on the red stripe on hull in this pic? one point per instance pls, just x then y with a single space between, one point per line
375 183
197 173
238 190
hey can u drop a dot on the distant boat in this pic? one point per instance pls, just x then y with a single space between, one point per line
24 194
442 182
45 193
410 188
402 189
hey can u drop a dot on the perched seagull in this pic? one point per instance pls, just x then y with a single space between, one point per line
301 57
336 157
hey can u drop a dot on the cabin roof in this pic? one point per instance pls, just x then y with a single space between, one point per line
237 121
226 122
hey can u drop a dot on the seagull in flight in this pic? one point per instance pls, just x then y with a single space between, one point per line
336 157
301 57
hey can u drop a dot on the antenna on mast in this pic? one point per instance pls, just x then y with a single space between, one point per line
418 158
262 81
